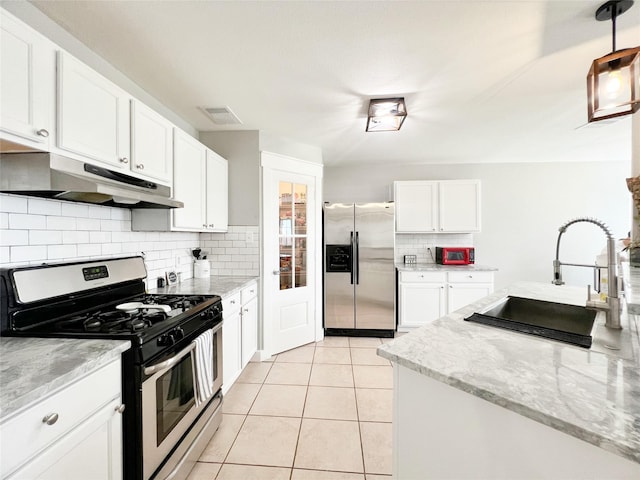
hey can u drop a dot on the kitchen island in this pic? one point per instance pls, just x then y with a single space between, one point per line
473 401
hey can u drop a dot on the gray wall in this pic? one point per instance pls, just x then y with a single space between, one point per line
241 149
522 207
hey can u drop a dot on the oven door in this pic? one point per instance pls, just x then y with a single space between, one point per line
169 401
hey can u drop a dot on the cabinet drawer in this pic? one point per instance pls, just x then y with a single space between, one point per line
470 277
26 434
249 292
231 304
437 277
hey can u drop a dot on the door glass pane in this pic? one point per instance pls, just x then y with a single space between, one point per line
174 397
292 203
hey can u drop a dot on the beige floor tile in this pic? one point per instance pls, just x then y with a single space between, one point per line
371 476
299 474
204 471
367 356
297 355
240 398
219 446
289 374
334 355
376 447
364 342
280 401
331 375
333 403
367 376
269 441
252 472
329 445
254 372
374 404
333 342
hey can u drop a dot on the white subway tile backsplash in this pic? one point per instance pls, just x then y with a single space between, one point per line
88 224
99 212
75 236
74 210
13 204
5 257
111 248
89 250
61 223
14 237
4 220
99 237
45 237
110 225
43 207
55 252
28 254
120 214
26 221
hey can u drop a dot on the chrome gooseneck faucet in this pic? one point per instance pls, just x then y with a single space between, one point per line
612 307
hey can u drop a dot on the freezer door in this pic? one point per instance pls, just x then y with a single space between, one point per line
339 307
375 271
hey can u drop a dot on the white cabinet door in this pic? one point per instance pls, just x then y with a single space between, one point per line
249 330
416 206
27 80
231 350
459 205
462 294
189 181
151 143
217 192
420 303
94 446
93 114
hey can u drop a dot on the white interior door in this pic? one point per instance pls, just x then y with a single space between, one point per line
292 255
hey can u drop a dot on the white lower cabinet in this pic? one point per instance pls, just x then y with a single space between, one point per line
239 333
68 434
426 296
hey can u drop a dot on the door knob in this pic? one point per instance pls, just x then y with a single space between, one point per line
276 272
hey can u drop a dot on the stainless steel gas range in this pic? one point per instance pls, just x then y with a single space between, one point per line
172 375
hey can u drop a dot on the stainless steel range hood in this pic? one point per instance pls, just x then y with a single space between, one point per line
49 175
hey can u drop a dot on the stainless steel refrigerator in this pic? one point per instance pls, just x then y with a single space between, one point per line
359 272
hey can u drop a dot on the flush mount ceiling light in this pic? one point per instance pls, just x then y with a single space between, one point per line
613 82
386 114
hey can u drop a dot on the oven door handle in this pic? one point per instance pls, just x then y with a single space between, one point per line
176 358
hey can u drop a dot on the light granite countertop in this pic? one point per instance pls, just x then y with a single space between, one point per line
434 267
589 395
214 285
32 368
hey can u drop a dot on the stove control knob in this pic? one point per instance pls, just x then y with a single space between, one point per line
166 340
177 334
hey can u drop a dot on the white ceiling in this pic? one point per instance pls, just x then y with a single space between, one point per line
484 81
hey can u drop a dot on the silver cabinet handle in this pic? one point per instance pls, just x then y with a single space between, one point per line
211 225
120 408
140 166
204 225
43 132
232 302
246 309
276 272
124 160
50 419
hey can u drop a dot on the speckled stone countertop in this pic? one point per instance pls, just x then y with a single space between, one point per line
214 285
31 368
434 267
589 395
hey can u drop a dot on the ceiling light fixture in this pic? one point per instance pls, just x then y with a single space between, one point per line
386 114
613 82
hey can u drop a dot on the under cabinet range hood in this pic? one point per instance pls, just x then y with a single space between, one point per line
49 175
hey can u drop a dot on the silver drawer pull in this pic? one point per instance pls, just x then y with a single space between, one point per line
124 160
50 419
120 408
232 302
43 133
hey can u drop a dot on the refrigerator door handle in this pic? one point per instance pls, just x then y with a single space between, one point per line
357 258
351 257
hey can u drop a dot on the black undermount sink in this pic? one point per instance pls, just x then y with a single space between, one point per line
557 321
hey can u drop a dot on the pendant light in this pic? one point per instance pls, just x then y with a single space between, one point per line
613 82
386 114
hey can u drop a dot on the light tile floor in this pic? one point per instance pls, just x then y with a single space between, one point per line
318 412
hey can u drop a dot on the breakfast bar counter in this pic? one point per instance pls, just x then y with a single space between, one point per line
476 383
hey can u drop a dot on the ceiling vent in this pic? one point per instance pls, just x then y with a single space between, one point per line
222 116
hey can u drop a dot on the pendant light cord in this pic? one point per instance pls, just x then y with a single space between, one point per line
614 12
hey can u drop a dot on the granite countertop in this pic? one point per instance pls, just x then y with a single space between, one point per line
434 267
32 368
214 285
589 395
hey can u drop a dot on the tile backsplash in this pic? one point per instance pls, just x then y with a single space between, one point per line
35 231
418 244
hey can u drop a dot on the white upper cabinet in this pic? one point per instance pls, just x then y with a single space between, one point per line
93 114
217 193
151 143
27 83
437 206
189 182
